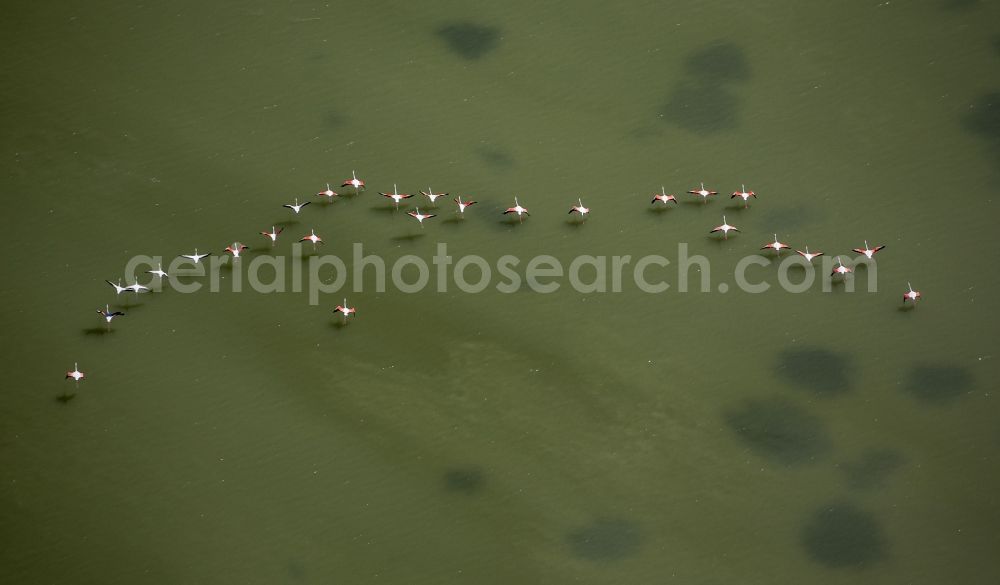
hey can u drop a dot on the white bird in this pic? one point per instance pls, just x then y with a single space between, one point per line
396 196
583 211
158 272
807 255
273 234
196 257
420 216
119 289
235 248
312 237
108 314
912 295
517 209
725 228
462 205
137 288
432 195
329 193
355 182
76 374
297 207
345 310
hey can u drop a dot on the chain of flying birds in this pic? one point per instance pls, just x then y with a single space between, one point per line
662 198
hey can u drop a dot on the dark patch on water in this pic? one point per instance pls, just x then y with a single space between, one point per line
706 101
334 120
65 398
821 371
295 571
722 62
605 539
938 384
97 331
780 430
983 118
842 535
790 218
700 107
469 40
465 480
496 158
957 5
871 470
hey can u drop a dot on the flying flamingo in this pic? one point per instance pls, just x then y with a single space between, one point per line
868 252
725 228
420 216
807 255
775 245
662 196
159 272
517 209
396 195
76 374
583 211
235 248
355 182
703 192
312 237
329 193
273 234
912 295
196 257
137 288
297 207
432 195
119 289
345 310
840 269
108 315
745 195
462 205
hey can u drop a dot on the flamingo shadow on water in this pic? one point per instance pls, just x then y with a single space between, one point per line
97 331
408 237
65 397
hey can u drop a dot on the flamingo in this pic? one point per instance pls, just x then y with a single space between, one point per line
159 272
745 195
911 295
396 195
108 314
703 192
235 248
463 204
345 310
868 252
297 207
775 245
840 269
432 195
354 181
312 237
420 216
583 211
273 234
662 196
196 257
725 228
807 255
76 374
517 209
119 289
329 193
137 288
